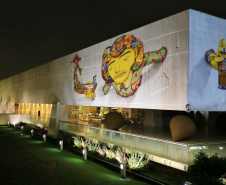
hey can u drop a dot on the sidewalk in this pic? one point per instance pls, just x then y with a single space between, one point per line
28 161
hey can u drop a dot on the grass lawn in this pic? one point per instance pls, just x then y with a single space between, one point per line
29 161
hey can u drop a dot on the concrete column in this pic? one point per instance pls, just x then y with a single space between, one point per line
59 112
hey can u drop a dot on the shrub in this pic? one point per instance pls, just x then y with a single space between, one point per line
110 153
93 145
207 170
138 160
77 142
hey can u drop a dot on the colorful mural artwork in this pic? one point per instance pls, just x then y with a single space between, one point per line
218 62
123 62
88 89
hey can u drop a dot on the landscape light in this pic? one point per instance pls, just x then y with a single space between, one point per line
123 170
221 147
61 144
44 137
22 130
84 151
121 166
32 132
187 183
8 123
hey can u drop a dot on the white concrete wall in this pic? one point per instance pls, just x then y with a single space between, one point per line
3 105
163 86
3 119
11 118
10 108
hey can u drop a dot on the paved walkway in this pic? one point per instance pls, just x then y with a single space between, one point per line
28 161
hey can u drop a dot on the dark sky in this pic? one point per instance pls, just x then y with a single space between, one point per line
36 32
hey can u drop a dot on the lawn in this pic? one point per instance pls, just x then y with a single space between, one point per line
28 160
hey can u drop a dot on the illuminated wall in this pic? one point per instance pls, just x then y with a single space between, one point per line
163 86
205 92
34 108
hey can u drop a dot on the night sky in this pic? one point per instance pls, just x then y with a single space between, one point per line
36 32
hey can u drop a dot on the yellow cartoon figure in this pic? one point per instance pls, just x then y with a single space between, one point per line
123 62
119 67
78 86
218 62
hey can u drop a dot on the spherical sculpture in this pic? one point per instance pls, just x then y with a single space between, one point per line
182 127
114 120
221 121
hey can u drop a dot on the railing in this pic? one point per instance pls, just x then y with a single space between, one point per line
166 152
209 148
35 120
162 151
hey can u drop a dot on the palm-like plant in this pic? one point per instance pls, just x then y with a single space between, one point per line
109 153
93 145
77 142
84 143
137 160
101 151
121 157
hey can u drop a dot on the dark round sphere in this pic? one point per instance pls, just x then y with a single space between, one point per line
114 120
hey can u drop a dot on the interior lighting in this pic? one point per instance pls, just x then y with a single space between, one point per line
195 148
205 147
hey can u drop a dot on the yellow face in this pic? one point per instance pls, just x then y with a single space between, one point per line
119 67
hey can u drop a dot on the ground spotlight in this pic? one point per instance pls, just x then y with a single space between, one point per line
84 152
123 170
61 143
187 183
32 132
22 130
44 138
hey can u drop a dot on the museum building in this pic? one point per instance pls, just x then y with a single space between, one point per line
175 67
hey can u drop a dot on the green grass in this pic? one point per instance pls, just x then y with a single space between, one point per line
28 161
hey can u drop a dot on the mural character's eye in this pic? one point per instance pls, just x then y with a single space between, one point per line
109 68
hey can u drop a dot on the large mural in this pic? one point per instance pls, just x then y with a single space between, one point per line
132 70
88 88
218 62
122 65
207 71
123 62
